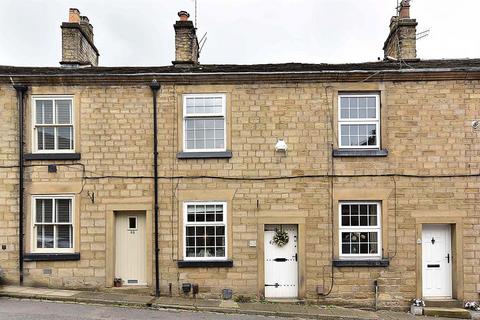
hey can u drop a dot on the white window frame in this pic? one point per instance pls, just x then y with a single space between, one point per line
205 223
34 123
375 121
34 223
223 115
378 229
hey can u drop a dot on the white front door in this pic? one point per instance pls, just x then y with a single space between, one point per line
281 263
437 261
130 261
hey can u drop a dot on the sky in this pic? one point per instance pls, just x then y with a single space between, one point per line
140 32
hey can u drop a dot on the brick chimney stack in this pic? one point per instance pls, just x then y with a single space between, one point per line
78 49
401 43
186 42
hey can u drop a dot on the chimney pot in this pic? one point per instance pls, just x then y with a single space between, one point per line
74 15
404 9
184 15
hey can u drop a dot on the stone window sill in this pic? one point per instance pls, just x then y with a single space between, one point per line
361 263
51 256
205 155
52 156
206 264
337 153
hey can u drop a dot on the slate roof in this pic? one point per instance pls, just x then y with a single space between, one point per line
444 64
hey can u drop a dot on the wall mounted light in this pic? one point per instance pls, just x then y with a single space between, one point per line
281 146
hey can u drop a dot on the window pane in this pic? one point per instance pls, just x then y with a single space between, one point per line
219 123
371 102
205 133
132 223
44 210
39 236
200 144
358 134
48 138
64 139
200 252
358 107
220 252
220 231
220 241
189 124
64 234
219 144
210 124
210 241
38 211
44 111
190 242
48 240
210 231
219 134
39 112
190 231
210 252
190 252
210 144
200 231
40 138
200 241
63 210
359 243
64 108
210 134
203 105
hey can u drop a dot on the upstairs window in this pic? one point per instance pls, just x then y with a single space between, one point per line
360 230
204 122
359 121
53 223
53 124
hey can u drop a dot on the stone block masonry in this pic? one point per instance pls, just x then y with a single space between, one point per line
425 125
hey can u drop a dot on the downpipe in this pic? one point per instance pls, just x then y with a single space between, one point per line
155 87
21 90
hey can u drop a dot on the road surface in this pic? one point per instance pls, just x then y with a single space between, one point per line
14 309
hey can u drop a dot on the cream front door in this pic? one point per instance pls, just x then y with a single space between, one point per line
437 261
130 261
281 263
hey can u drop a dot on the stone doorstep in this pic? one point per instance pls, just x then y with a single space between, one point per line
444 303
447 312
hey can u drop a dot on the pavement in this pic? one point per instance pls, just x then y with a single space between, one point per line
135 300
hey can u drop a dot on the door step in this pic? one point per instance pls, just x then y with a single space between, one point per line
286 300
447 312
444 303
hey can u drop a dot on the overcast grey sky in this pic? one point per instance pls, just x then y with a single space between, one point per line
140 32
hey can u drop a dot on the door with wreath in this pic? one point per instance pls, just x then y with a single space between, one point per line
281 261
